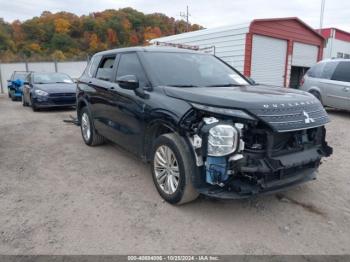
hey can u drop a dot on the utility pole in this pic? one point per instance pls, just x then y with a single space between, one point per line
186 17
1 87
323 3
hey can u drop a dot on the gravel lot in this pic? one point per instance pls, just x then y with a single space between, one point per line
58 196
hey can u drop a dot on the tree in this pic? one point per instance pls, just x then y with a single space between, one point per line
17 32
126 24
134 40
65 35
61 42
5 42
62 26
151 33
35 48
58 55
112 37
93 42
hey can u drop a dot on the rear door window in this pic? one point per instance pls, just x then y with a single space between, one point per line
342 72
328 70
129 64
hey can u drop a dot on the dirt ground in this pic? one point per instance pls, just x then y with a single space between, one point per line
58 196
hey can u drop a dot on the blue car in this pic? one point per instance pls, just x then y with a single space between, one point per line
15 84
44 90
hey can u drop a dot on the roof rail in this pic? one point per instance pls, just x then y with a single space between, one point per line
207 49
183 46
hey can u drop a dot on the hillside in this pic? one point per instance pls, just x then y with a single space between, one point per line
66 36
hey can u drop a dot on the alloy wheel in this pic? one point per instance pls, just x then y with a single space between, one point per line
166 169
85 126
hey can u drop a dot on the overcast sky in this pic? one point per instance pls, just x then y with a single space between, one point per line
208 13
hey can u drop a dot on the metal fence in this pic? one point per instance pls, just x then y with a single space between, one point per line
74 69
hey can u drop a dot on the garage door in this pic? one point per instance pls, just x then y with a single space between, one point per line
304 55
268 60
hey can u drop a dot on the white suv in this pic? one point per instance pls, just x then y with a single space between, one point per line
329 81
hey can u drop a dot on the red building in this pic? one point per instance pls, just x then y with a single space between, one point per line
337 43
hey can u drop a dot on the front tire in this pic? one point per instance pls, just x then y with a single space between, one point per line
172 168
33 105
88 131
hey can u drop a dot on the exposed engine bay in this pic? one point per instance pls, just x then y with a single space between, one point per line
241 157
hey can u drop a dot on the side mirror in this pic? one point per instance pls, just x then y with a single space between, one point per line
129 82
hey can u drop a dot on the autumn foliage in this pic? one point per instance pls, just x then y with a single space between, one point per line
65 35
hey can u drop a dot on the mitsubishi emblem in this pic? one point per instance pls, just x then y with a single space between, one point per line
308 119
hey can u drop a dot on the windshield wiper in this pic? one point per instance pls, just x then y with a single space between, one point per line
225 85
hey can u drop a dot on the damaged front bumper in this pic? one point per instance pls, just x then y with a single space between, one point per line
264 161
270 175
242 188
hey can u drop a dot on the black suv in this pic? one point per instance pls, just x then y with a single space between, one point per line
202 125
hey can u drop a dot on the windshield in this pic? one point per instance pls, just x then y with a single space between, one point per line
191 70
20 75
51 78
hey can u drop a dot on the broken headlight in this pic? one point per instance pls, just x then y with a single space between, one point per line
224 111
222 140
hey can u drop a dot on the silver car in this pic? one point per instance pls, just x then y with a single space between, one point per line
329 81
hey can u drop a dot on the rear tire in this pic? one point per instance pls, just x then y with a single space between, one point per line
88 131
173 165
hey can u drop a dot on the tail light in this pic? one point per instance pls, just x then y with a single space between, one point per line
302 81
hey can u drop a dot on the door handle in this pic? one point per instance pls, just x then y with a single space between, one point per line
346 89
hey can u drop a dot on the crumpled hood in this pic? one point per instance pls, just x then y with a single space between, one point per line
57 87
283 109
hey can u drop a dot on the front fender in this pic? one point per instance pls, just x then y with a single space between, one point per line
152 129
